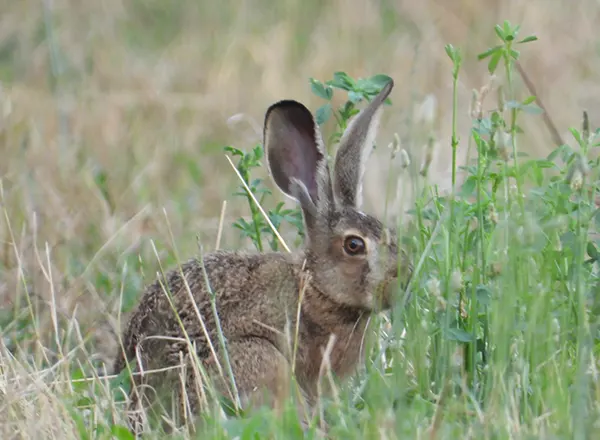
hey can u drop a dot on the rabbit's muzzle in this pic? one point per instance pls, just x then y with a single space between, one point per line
395 282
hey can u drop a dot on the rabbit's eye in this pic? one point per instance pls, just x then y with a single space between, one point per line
354 245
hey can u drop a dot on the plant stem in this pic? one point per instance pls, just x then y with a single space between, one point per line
454 136
508 64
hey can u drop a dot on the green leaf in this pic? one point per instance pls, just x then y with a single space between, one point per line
488 52
84 402
323 113
242 225
121 432
251 428
354 97
494 61
576 135
532 109
321 90
527 108
525 167
79 423
593 251
380 80
564 150
234 151
500 32
458 334
528 39
538 176
456 61
451 52
258 153
468 187
341 80
78 383
367 88
545 163
483 294
568 240
123 381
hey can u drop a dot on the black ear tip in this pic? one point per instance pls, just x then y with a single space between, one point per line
387 88
289 112
288 106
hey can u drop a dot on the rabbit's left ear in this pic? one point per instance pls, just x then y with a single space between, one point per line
355 146
296 157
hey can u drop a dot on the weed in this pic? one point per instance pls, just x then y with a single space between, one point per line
499 339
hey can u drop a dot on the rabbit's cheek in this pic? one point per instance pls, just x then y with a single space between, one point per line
355 270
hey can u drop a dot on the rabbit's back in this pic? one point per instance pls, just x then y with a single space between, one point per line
252 293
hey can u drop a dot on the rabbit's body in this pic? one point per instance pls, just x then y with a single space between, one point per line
309 307
259 307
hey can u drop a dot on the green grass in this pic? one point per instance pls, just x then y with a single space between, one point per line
500 336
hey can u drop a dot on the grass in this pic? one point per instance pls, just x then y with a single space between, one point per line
114 117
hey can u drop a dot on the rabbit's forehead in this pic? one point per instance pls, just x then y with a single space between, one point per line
354 220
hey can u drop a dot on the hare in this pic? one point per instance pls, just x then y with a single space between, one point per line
319 298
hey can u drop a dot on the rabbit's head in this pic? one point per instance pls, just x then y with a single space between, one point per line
352 256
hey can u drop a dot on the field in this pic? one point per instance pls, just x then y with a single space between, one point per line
114 118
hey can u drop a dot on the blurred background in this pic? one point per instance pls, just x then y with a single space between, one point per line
114 115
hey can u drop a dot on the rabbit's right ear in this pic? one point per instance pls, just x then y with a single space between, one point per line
355 147
296 157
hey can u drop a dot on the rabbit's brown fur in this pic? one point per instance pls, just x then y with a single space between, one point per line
258 295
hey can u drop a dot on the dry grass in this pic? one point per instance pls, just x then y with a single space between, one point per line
143 91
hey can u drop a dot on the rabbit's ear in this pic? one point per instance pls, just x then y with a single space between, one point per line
355 146
296 156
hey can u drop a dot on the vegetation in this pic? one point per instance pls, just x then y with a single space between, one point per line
495 337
